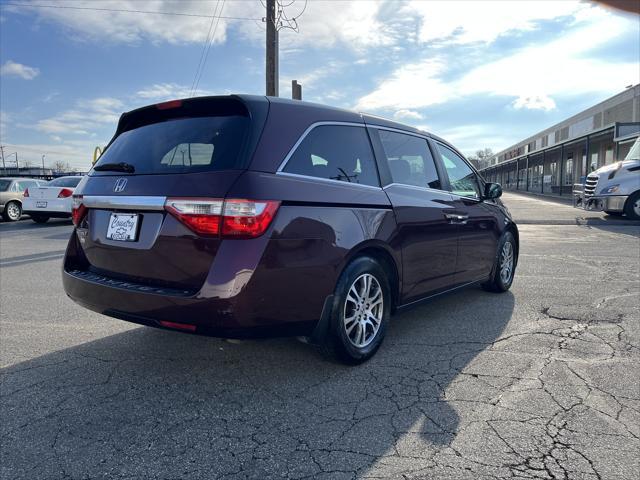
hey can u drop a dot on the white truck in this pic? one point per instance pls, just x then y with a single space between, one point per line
614 189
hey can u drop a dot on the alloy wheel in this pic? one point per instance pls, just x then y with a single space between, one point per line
363 310
506 262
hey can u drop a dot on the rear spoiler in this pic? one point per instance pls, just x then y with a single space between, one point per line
183 108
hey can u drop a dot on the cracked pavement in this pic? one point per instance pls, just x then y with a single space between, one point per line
542 382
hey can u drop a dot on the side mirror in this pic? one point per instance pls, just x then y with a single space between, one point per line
492 190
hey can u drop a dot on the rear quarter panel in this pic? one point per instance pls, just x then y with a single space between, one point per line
319 227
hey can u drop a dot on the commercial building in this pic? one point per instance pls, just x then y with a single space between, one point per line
554 159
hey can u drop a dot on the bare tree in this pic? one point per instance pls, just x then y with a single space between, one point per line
482 158
61 166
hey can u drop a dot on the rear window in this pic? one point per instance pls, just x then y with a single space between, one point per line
68 182
183 145
4 185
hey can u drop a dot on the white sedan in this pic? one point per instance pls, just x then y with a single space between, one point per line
54 199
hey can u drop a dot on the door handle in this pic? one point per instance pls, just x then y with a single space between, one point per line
456 218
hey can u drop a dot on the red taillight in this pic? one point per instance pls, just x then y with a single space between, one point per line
247 218
230 218
26 193
65 192
78 210
202 215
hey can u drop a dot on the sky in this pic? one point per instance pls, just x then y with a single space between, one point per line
479 74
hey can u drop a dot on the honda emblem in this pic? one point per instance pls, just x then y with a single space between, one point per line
120 184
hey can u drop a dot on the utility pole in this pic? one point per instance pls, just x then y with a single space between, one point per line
272 50
296 90
42 164
4 167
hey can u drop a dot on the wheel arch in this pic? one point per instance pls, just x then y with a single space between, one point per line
384 254
627 204
513 228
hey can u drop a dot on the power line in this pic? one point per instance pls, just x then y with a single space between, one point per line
206 55
123 10
204 48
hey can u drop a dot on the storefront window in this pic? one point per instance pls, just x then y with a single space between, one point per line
568 172
608 156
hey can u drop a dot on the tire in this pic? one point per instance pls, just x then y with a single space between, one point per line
357 340
632 206
40 218
12 211
614 214
502 276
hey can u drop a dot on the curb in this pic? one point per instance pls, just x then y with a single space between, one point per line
579 221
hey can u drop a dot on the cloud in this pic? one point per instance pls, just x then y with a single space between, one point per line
169 91
355 24
126 26
13 69
405 114
535 102
414 85
470 137
531 76
86 116
471 21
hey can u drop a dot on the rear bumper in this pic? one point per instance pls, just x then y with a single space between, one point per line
55 207
226 318
45 213
251 291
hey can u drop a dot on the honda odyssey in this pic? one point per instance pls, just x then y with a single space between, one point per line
244 216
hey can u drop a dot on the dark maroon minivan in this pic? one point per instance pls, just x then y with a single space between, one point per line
243 216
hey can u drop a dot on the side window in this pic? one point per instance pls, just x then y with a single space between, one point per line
409 159
23 185
462 179
336 152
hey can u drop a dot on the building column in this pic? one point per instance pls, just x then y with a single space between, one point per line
544 160
561 169
526 176
587 160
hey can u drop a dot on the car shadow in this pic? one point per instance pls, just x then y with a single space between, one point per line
631 229
149 403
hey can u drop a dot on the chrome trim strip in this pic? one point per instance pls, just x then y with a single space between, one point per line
124 202
416 187
427 189
306 132
327 180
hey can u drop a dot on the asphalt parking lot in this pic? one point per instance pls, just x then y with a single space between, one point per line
540 382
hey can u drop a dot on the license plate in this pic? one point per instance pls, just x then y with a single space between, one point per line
41 204
123 227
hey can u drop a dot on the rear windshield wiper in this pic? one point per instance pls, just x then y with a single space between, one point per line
115 167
